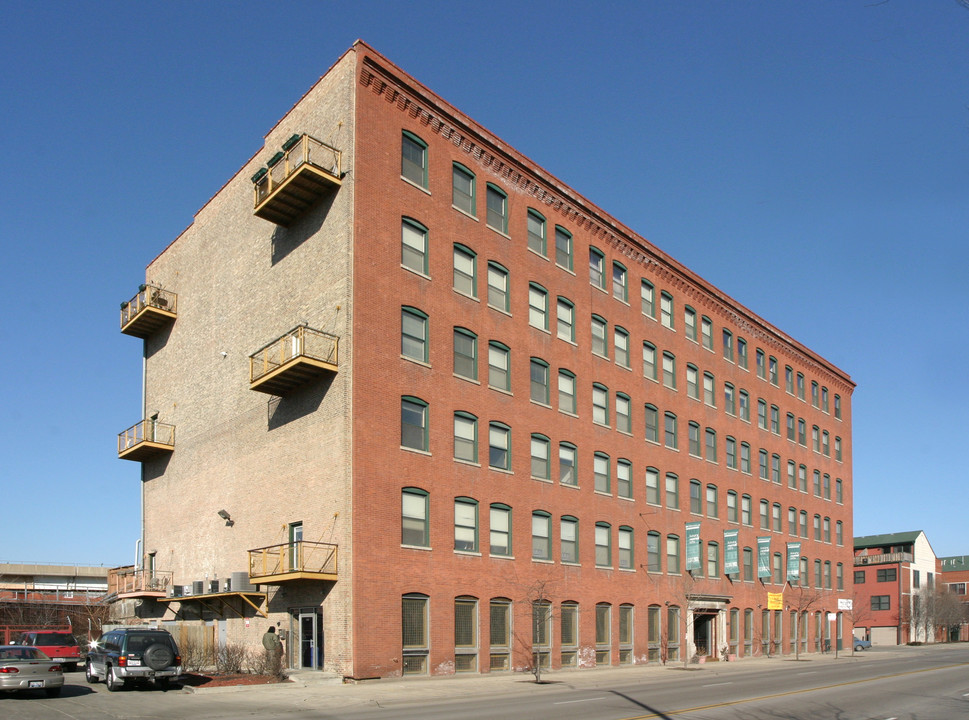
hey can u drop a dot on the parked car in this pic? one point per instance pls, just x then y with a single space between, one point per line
133 653
27 668
58 645
862 644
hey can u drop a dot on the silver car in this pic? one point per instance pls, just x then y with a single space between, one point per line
26 668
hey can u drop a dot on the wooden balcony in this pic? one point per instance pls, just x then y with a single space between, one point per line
151 309
145 440
290 361
882 558
130 583
296 177
286 562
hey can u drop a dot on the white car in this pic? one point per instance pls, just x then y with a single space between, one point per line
23 667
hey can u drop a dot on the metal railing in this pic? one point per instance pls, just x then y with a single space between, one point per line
148 296
301 556
131 581
146 431
301 341
306 150
884 558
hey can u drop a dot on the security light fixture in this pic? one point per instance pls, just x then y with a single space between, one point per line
224 514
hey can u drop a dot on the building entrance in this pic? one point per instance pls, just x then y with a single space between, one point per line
705 633
308 640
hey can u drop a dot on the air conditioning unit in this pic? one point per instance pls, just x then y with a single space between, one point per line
176 591
213 586
227 585
198 587
864 561
240 581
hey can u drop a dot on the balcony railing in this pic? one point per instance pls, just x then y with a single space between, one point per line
296 177
149 310
145 440
883 558
301 560
291 360
139 583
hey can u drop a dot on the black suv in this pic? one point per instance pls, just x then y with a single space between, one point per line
133 653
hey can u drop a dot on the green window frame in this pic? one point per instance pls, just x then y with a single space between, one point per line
413 423
414 523
625 544
500 529
620 281
465 354
537 306
465 270
569 539
565 319
466 524
465 437
652 486
541 457
652 423
413 245
647 295
535 225
498 287
413 159
689 323
669 429
624 420
567 464
499 446
603 537
597 268
499 366
538 381
566 386
496 201
601 473
414 334
563 248
599 329
624 478
463 189
649 360
620 344
414 634
541 535
600 404
666 308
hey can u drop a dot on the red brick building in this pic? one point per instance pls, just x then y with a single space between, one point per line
506 428
954 577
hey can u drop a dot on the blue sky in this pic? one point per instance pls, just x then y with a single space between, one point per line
809 159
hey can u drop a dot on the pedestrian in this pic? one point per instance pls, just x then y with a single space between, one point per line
274 650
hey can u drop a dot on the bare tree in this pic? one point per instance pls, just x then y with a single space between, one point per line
535 602
950 612
801 599
859 613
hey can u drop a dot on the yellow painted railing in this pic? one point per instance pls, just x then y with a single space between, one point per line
301 341
301 556
148 296
131 581
147 431
305 150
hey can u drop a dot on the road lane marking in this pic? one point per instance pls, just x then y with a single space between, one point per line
567 702
717 684
681 711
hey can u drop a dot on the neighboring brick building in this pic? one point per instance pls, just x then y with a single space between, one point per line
890 571
477 396
954 577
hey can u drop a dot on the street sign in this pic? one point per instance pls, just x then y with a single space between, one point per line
844 603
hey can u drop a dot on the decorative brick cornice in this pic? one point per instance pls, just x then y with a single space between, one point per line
503 165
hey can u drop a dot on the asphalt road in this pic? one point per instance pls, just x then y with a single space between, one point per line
927 683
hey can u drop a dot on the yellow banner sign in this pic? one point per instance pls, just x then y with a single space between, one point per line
775 601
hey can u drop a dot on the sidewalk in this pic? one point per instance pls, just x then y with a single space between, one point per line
328 688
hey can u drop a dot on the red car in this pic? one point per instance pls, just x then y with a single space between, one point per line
58 645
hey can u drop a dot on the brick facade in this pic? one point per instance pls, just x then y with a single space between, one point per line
330 455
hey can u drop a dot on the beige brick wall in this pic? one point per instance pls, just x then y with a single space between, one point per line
241 283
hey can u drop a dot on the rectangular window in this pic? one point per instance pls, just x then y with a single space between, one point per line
465 354
652 424
465 635
603 634
497 202
652 486
563 248
498 375
670 431
742 353
570 540
536 233
465 437
499 446
599 336
623 417
696 500
498 287
413 334
540 457
666 310
570 634
541 532
413 246
669 370
600 473
566 320
414 524
621 344
886 575
653 558
500 530
626 548
672 492
619 289
649 361
567 474
465 271
881 602
731 453
462 189
597 268
647 298
672 555
538 381
689 323
466 525
706 332
413 159
500 632
600 404
566 392
624 479
413 424
414 634
728 345
625 634
603 545
537 306
541 634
